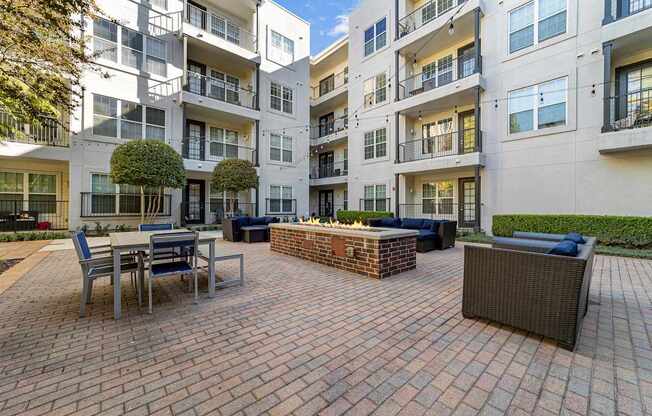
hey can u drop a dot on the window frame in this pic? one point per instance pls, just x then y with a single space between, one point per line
375 198
119 119
283 138
24 201
281 199
536 97
278 42
371 98
375 37
283 101
374 145
437 200
536 20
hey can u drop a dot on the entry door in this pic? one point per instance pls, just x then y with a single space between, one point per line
466 196
194 199
326 203
326 124
326 164
466 133
196 78
194 143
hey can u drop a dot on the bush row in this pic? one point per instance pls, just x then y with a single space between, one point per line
349 217
630 232
33 236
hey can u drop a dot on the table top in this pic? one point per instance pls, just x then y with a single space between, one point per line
140 239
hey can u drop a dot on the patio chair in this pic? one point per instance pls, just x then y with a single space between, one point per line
95 264
155 227
159 260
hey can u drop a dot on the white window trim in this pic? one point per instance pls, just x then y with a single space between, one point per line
282 52
294 95
375 158
117 193
282 186
535 108
375 92
26 173
437 199
376 49
375 199
536 42
293 150
209 140
119 119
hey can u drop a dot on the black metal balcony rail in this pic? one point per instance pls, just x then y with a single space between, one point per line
47 133
328 210
428 12
630 111
201 148
445 73
330 170
331 84
280 206
620 9
442 145
217 89
438 210
94 204
40 212
323 130
220 26
376 204
222 210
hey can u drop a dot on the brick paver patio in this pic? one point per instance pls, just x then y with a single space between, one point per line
301 339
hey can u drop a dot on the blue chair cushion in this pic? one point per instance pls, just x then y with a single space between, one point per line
155 227
427 235
389 222
243 221
261 220
171 268
412 223
565 248
574 237
83 245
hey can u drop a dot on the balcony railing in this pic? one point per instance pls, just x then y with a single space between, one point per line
38 213
94 204
331 84
220 26
427 12
447 144
205 149
280 206
444 73
620 9
630 111
375 204
326 129
47 133
439 210
330 170
219 90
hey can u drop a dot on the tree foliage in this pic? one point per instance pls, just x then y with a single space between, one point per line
233 176
42 56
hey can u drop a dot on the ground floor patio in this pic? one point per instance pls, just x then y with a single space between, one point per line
300 338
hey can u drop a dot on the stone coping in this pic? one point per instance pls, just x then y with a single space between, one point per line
381 234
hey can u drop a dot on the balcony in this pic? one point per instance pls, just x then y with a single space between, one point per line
280 207
216 94
329 88
433 210
99 205
630 127
627 18
329 173
202 149
329 133
49 133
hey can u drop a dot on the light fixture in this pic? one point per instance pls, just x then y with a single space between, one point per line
451 29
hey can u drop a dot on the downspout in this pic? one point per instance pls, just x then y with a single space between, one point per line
607 50
397 205
478 200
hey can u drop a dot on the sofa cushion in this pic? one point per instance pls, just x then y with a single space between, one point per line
427 235
412 223
574 237
565 248
389 222
243 221
261 220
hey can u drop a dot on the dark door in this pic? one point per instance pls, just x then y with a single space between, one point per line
326 164
326 204
326 124
466 132
327 85
196 14
465 61
194 201
466 196
194 142
196 78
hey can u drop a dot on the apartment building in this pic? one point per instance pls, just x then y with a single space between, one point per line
214 79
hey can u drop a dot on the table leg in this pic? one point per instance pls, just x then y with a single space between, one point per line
116 284
211 269
141 278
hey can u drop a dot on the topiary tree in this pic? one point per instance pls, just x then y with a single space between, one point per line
148 164
233 176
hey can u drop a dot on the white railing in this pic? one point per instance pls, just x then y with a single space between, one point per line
47 133
219 90
220 26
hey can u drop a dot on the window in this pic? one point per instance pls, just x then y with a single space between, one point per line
282 49
525 30
11 188
634 85
346 200
438 73
223 143
132 48
282 98
40 190
107 119
538 107
105 39
280 200
280 148
375 144
43 193
327 85
375 198
108 198
437 198
375 90
375 37
437 137
156 57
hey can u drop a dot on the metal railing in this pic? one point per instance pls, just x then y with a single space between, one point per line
447 144
330 170
376 204
330 84
38 213
426 13
328 210
95 204
621 9
630 111
219 90
326 129
280 206
205 149
444 73
220 26
50 132
439 210
222 210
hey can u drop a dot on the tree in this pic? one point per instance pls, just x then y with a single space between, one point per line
151 165
233 176
42 56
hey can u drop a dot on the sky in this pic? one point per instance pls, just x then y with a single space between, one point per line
328 19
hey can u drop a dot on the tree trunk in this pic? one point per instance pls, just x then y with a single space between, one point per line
232 204
142 205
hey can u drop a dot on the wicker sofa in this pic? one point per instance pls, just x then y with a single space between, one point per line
231 227
433 234
515 283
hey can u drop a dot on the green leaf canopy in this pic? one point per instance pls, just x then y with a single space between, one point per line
147 163
234 175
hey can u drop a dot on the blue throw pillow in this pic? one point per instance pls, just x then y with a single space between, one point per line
412 223
574 237
565 248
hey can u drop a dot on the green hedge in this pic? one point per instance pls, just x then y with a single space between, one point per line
349 217
630 232
33 236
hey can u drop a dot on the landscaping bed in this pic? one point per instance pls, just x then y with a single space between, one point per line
8 264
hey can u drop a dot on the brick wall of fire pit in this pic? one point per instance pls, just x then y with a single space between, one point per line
373 257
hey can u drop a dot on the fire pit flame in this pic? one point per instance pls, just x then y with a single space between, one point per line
357 225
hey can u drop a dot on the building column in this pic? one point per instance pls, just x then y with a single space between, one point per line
397 84
257 159
396 20
258 86
257 30
184 76
478 200
397 195
397 132
477 42
478 120
607 50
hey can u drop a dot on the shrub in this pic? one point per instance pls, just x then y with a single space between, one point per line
349 217
33 236
631 232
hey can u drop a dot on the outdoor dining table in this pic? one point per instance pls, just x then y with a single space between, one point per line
139 241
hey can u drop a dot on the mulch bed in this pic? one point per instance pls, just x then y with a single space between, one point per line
8 264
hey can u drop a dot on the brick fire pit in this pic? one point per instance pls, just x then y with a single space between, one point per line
378 253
